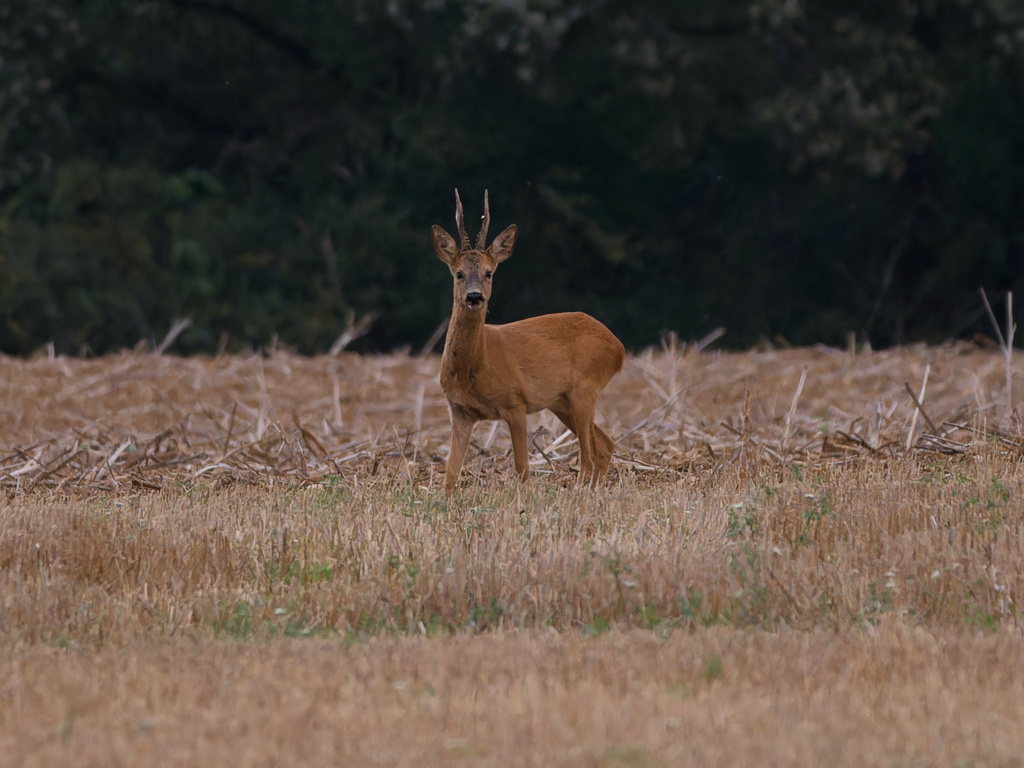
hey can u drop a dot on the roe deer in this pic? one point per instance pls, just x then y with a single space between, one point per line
560 362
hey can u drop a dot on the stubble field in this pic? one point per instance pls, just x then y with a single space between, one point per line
248 561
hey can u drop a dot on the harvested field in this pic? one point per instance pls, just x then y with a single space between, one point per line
148 421
886 696
249 560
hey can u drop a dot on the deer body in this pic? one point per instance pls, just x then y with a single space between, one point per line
560 362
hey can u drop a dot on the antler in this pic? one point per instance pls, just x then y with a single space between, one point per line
481 240
463 237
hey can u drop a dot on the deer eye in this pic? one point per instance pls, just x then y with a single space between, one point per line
459 275
487 274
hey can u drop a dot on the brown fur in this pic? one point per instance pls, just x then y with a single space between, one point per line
560 362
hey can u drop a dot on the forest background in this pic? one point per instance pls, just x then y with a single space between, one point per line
267 169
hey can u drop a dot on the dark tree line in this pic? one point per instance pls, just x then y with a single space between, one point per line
785 169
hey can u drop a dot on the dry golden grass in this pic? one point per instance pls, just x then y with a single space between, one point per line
770 576
889 695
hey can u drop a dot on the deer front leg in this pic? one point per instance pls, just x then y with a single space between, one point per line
516 421
462 428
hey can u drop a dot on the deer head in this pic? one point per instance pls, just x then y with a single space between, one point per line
472 268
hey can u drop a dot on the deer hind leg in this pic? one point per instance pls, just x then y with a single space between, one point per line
579 417
564 414
462 428
604 448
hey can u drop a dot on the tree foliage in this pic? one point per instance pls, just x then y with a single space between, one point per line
782 168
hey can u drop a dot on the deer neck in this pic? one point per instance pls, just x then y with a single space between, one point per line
464 347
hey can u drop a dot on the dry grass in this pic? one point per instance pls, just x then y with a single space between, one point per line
171 526
829 547
888 696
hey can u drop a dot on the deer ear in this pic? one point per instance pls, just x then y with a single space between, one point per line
444 245
501 248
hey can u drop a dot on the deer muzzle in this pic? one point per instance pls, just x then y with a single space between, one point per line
474 299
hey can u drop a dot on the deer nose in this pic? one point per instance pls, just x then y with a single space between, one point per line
474 298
